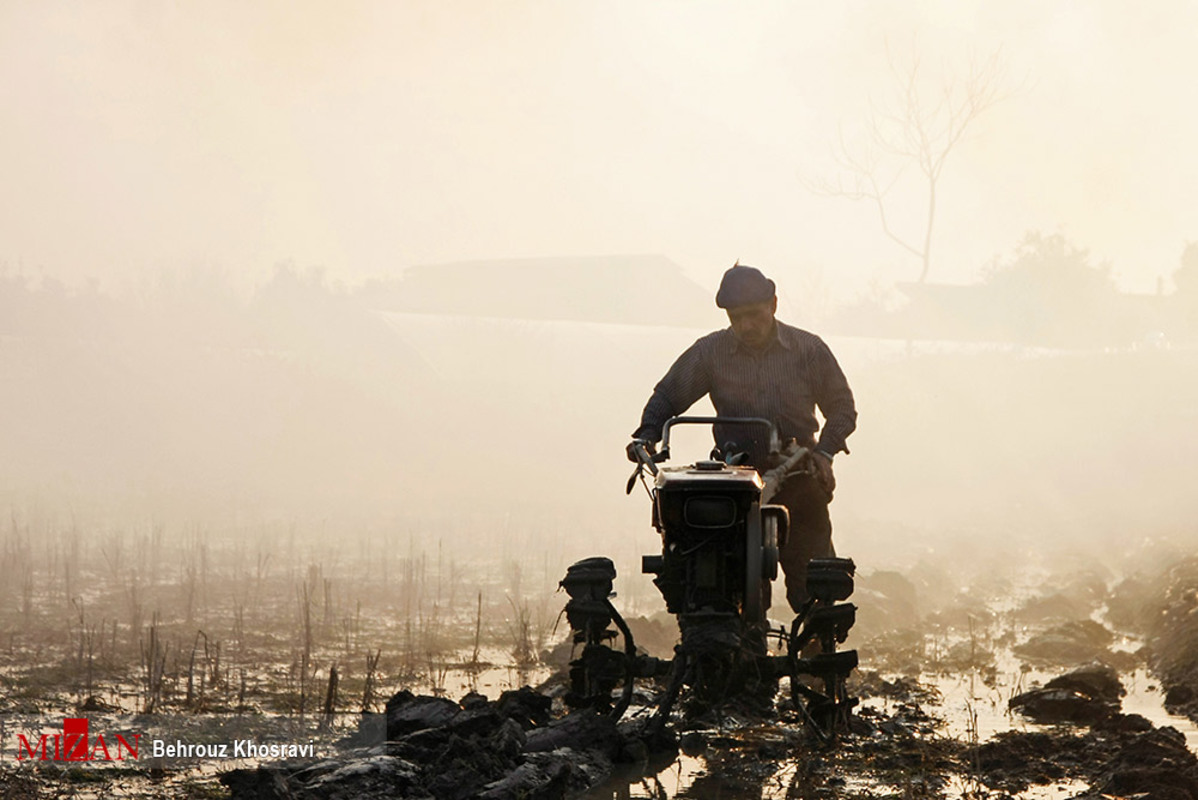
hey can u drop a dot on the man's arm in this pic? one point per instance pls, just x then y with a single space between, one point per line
835 401
688 380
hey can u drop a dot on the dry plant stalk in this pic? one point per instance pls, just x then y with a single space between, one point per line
154 665
372 662
330 700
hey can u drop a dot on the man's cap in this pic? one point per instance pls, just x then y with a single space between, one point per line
743 286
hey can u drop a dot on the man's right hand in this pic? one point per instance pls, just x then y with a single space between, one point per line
823 472
630 450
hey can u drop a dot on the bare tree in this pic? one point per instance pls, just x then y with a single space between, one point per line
909 130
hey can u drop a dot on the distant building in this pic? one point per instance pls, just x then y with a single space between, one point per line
625 289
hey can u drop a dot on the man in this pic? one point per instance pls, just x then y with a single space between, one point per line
760 367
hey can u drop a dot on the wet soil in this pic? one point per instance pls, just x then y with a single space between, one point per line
1009 692
265 635
1050 681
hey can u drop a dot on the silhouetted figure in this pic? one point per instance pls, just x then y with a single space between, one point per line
760 367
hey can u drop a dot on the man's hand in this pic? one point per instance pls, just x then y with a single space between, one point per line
823 472
631 449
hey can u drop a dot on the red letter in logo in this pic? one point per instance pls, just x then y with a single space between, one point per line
75 738
98 745
23 744
122 745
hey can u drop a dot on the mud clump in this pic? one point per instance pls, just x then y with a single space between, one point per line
477 748
1098 681
1084 696
1073 642
1152 763
406 713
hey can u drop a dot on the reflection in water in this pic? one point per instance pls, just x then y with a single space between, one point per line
733 775
658 780
675 782
715 785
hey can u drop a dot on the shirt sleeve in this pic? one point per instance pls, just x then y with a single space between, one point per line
687 381
835 401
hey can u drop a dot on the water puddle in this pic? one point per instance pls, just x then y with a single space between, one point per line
965 707
1144 697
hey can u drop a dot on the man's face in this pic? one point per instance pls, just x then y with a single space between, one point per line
754 324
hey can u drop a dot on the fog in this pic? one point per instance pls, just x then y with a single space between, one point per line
142 137
242 252
319 411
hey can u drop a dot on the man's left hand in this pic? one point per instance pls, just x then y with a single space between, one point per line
823 472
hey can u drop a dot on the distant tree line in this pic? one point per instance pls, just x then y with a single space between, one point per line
198 307
1046 292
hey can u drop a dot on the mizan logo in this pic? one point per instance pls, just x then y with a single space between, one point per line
74 744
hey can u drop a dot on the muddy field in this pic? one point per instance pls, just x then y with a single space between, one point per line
401 669
266 634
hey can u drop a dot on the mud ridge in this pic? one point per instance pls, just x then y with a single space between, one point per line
476 748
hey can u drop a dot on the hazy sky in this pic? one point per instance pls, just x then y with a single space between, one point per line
365 137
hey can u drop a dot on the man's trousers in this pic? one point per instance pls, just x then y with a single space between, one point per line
810 532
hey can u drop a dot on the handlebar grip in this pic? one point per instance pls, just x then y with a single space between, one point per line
643 456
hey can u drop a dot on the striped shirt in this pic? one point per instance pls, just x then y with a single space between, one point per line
784 382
